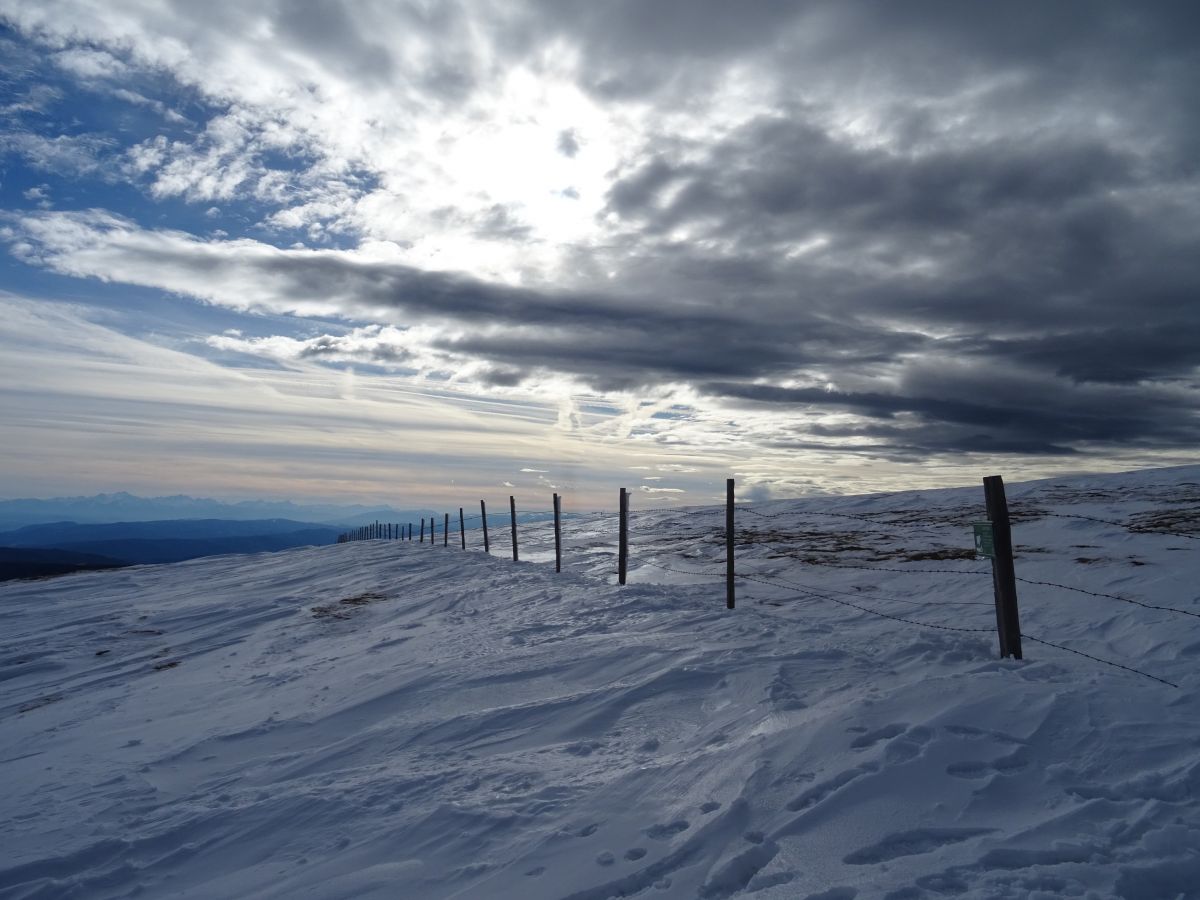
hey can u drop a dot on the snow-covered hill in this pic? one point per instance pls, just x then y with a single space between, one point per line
385 719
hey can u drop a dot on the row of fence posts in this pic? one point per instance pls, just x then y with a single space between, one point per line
1004 580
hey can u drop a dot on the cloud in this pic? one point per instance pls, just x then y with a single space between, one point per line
568 143
895 231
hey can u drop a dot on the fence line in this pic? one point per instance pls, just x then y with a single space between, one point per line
1007 624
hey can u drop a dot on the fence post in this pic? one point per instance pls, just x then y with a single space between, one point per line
623 538
729 543
512 511
446 532
462 530
422 529
483 510
557 535
432 530
1004 576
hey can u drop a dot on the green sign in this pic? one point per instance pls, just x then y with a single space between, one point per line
984 545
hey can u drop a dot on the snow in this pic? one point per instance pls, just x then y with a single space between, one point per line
386 719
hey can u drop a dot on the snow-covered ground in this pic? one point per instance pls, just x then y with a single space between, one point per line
385 719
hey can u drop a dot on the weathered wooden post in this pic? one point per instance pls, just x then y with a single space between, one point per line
462 529
512 512
623 537
557 534
446 532
487 548
432 530
1004 576
422 529
729 543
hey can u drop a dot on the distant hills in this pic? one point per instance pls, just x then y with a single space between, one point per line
60 547
30 562
125 507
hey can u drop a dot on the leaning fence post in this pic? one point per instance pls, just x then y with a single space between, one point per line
623 538
557 535
729 543
483 511
462 530
446 532
1004 576
512 511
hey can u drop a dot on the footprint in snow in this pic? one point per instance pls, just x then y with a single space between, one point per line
880 734
1005 765
908 746
662 832
709 806
911 843
635 853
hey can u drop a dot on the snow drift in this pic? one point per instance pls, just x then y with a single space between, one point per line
386 719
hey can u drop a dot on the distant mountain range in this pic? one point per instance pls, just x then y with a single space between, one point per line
171 540
124 507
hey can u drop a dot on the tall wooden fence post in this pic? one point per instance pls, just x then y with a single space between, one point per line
1004 576
446 532
557 535
462 528
432 530
487 548
512 511
422 529
623 537
729 543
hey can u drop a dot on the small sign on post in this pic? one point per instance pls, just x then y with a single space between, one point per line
985 541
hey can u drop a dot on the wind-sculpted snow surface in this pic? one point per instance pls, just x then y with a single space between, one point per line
386 719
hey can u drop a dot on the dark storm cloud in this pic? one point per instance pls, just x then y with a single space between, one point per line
979 222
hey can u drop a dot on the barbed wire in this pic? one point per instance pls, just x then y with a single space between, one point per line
830 565
676 571
1067 587
894 526
797 584
875 612
1131 528
1107 662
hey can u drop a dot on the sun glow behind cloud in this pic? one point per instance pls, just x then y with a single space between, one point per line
820 245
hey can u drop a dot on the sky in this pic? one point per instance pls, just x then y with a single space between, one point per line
433 251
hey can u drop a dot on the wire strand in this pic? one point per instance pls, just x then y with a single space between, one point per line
1107 662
